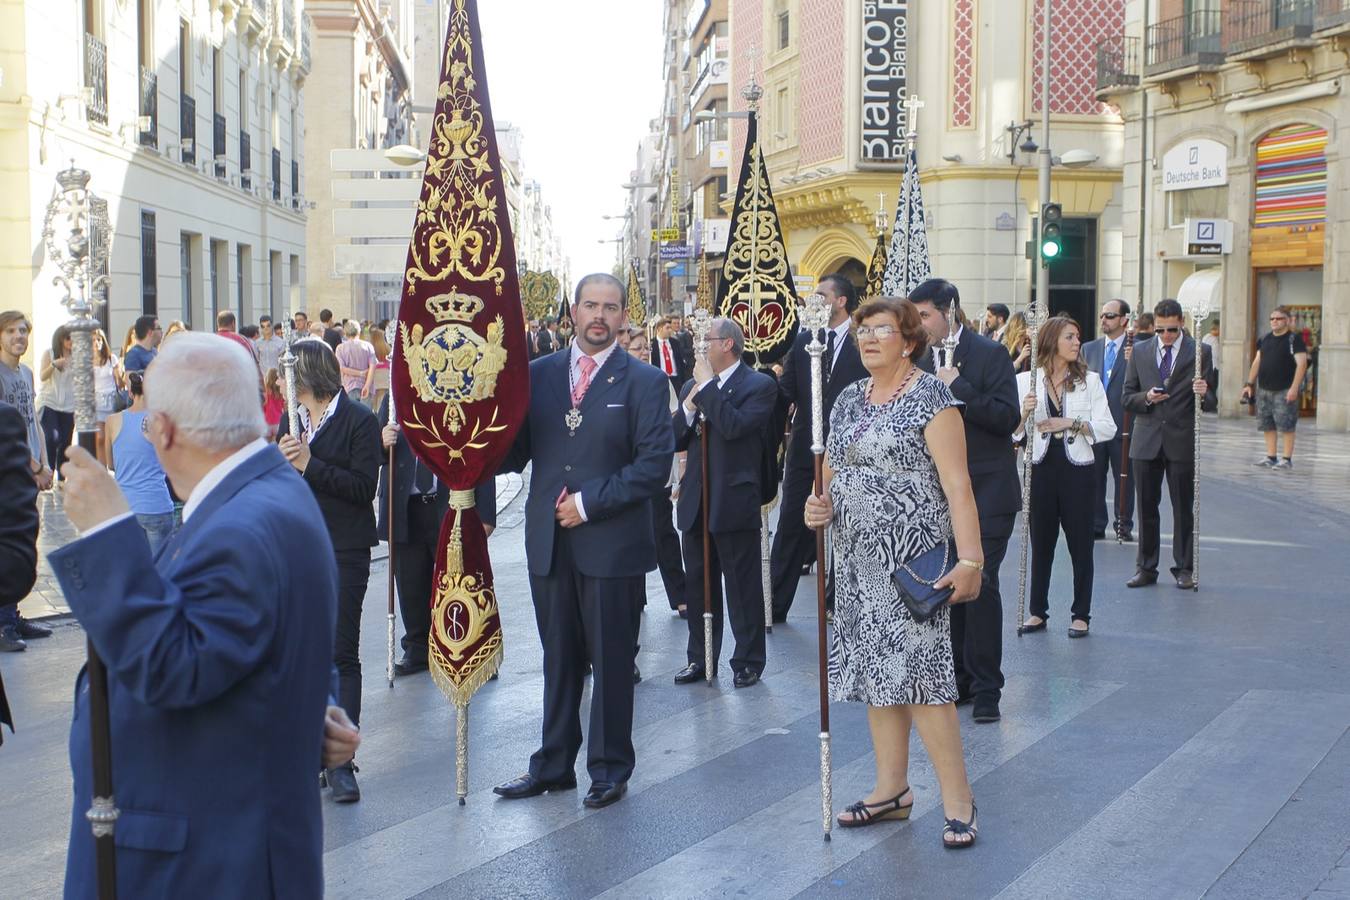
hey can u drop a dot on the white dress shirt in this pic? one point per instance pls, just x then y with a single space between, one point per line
721 383
303 410
575 363
937 345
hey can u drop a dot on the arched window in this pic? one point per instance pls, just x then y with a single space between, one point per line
1291 177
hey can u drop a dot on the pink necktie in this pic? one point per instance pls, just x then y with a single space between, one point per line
587 373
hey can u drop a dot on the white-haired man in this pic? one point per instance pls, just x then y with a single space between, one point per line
219 650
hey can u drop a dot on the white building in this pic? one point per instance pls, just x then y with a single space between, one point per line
187 115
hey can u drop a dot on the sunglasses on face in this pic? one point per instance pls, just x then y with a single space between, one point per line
1107 315
1279 318
1168 329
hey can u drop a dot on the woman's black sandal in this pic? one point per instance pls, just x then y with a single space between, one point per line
955 828
863 813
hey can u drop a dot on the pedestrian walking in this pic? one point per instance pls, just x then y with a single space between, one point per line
728 405
996 317
270 345
56 398
1162 382
1071 415
108 392
332 331
598 436
142 351
16 389
1107 357
137 468
338 453
274 404
227 327
896 443
1017 341
356 358
379 387
1275 379
221 650
980 376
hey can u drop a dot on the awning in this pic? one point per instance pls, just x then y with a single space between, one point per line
1202 289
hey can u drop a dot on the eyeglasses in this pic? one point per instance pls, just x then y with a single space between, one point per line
1279 318
1107 315
880 332
1167 329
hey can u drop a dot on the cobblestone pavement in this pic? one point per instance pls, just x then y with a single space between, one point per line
1196 745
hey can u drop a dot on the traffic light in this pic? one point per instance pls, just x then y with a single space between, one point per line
1051 242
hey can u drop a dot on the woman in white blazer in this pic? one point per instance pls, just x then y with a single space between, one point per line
1068 405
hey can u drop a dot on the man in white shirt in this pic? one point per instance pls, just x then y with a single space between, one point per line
1107 357
270 345
668 355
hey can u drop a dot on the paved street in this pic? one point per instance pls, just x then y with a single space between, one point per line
1195 745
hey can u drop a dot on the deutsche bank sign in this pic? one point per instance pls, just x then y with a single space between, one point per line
1195 164
885 63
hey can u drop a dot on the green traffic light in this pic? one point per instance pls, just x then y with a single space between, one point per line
1050 249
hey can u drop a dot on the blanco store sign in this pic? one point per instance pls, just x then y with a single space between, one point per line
1195 164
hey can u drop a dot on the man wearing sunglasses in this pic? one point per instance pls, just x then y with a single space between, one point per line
1275 378
1107 357
1162 381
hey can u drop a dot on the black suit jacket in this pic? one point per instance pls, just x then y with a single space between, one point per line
618 459
485 495
343 470
684 358
1094 354
795 389
18 522
987 386
737 421
1166 428
548 342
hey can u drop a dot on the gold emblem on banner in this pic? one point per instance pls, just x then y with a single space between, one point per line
758 298
461 610
539 294
452 364
457 232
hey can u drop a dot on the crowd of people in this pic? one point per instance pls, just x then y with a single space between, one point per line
924 409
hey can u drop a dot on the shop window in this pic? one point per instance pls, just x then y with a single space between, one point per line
1198 203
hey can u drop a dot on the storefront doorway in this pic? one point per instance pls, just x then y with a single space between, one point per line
1301 291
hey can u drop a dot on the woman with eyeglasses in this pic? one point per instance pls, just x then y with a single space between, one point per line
896 487
1071 414
338 452
137 468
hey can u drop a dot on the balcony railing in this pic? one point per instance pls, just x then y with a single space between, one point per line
288 21
150 107
218 147
187 129
245 160
96 78
1253 24
1117 63
1193 40
1332 13
276 175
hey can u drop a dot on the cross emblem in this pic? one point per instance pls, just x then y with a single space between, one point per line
912 107
753 294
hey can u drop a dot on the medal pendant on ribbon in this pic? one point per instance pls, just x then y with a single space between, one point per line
573 419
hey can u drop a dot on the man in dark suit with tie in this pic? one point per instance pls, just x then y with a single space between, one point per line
1106 357
547 338
981 377
793 543
18 523
599 437
420 501
731 405
668 354
1161 384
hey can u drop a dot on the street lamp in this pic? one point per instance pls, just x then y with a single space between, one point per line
405 155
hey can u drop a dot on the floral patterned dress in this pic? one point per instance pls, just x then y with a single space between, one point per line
888 508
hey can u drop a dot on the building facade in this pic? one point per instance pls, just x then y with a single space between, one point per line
1233 153
188 117
832 124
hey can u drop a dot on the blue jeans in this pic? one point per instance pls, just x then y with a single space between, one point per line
157 527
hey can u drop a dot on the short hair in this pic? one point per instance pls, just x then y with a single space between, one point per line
351 329
1124 306
938 291
299 314
1145 320
145 325
10 316
316 369
844 288
325 316
1283 310
264 319
208 386
1000 310
250 332
226 319
1168 309
726 328
601 278
906 317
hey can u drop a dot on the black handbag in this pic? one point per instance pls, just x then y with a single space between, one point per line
914 581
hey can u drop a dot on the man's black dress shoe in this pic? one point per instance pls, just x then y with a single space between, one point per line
29 630
1141 579
409 666
342 780
603 793
527 785
1185 581
689 674
637 674
985 710
964 696
746 678
779 618
1099 535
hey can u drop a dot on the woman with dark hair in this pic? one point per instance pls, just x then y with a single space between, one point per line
1071 414
107 382
896 487
338 452
137 468
56 399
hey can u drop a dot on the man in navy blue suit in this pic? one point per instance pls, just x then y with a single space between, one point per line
219 650
598 433
734 405
1107 357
